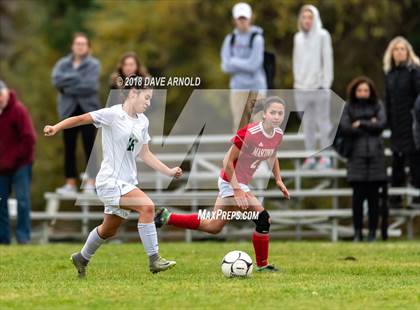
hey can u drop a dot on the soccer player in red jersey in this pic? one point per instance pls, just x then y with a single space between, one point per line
254 143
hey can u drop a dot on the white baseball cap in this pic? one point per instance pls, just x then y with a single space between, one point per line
242 9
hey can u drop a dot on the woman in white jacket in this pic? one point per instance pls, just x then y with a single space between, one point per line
313 76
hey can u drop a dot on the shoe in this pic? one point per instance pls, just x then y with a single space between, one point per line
161 217
80 263
384 234
89 189
66 189
309 164
161 264
324 163
267 268
372 236
358 235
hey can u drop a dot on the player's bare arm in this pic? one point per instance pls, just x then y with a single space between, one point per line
153 162
274 162
70 122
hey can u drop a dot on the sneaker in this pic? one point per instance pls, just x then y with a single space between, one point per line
161 264
372 236
324 163
267 268
66 189
80 263
161 217
309 164
358 235
89 189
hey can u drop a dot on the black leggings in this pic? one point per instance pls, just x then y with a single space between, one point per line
369 191
70 142
399 161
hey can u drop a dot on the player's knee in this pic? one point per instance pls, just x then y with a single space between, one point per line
148 209
263 222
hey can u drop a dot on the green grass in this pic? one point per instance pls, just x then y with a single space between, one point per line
315 275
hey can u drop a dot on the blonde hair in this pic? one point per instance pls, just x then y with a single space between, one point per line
389 60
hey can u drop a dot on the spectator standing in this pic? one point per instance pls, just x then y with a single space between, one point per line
76 77
313 77
17 148
242 57
402 89
363 121
416 124
128 65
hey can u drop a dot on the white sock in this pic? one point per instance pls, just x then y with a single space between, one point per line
93 242
148 236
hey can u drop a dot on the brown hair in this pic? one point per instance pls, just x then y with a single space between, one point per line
264 104
81 35
352 87
141 70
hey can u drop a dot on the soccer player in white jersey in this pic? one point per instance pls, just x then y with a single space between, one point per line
253 144
124 138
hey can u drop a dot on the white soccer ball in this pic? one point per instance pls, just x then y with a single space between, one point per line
237 264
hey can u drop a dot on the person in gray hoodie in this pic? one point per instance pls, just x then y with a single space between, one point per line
76 77
242 57
313 76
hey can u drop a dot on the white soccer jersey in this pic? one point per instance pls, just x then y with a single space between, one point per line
122 139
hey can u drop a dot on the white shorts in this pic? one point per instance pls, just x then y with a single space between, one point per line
110 193
226 190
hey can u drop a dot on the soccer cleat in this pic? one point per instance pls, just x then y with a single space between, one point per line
161 264
162 217
267 268
80 263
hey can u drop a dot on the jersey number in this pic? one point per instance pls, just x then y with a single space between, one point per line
131 142
255 164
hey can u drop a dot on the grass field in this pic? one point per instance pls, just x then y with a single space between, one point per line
314 275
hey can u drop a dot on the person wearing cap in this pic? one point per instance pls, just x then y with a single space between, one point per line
313 76
17 149
242 56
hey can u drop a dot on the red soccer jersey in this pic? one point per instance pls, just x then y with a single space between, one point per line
256 146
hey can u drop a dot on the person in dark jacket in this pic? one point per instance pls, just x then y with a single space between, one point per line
416 124
76 77
401 66
17 148
364 120
128 65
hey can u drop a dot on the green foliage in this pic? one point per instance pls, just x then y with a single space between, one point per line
68 16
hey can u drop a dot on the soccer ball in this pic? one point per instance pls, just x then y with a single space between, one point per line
237 264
